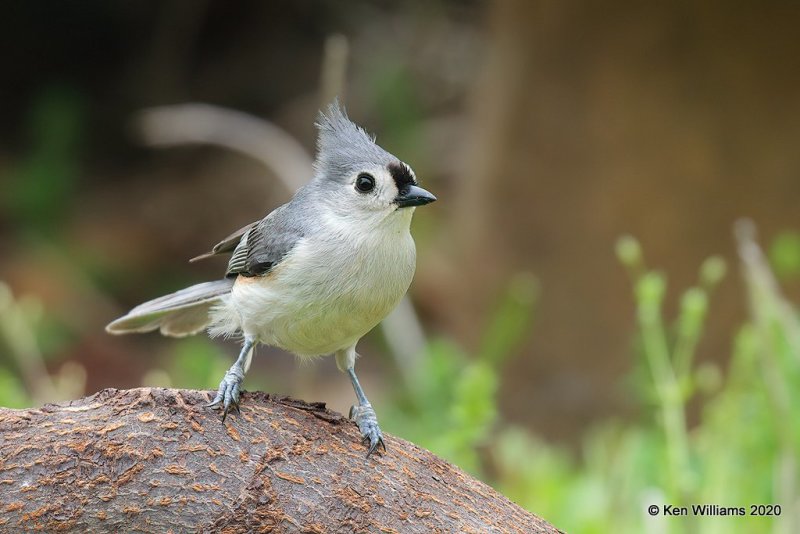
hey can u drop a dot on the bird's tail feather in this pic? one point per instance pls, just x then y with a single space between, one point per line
179 314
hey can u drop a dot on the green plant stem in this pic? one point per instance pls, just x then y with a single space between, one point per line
21 340
671 404
684 354
668 391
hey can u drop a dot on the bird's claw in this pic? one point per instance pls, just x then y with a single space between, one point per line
367 422
229 391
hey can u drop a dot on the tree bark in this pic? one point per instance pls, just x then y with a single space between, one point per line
158 460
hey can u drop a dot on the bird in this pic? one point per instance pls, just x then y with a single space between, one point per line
313 276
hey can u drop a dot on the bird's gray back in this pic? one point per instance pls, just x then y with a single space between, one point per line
263 246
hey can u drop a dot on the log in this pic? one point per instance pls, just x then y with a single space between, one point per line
158 460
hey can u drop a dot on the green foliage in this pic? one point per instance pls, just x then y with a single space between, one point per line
40 188
784 255
195 361
743 450
450 406
12 392
511 321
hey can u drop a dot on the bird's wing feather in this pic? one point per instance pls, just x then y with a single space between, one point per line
265 244
181 313
226 245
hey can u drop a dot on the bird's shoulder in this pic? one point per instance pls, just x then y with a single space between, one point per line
265 243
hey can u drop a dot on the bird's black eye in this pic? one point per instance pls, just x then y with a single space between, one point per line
365 183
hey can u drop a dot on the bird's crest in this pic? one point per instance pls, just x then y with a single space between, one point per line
343 146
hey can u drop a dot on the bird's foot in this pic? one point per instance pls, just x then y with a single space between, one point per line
367 422
229 391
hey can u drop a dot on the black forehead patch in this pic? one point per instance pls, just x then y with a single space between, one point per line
401 174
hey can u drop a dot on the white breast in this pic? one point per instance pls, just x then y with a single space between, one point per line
328 292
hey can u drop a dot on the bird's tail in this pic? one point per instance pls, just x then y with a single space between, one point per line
180 314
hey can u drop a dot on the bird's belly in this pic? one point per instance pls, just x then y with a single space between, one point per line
324 307
325 331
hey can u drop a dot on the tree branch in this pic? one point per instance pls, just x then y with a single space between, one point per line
158 460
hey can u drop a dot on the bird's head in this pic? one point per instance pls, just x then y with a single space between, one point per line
357 177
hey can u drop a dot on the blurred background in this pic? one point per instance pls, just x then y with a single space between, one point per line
566 142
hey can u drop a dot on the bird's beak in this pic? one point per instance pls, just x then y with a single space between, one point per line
413 196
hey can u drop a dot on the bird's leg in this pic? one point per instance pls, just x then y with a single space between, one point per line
364 416
230 387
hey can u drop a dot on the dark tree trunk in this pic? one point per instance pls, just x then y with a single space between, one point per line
157 460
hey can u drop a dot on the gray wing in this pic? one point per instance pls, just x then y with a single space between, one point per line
226 245
264 244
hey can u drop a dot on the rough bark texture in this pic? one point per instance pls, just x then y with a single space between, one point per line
157 460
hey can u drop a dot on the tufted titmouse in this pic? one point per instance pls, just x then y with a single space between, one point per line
313 276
